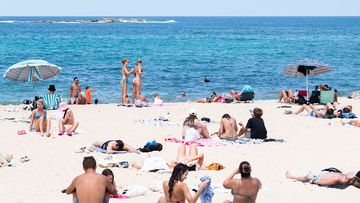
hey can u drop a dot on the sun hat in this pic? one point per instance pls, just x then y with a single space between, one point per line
52 88
63 106
193 112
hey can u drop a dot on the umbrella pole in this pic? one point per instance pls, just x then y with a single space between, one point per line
307 87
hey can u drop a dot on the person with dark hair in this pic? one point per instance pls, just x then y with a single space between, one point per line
75 90
124 80
328 177
110 176
193 128
176 190
67 121
228 127
112 146
244 189
255 124
90 186
327 112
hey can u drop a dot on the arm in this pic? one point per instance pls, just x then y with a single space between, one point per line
187 194
32 120
128 148
229 181
67 116
128 72
109 148
221 129
71 90
236 127
111 187
71 188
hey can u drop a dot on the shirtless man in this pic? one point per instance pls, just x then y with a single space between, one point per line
228 127
75 89
68 119
90 187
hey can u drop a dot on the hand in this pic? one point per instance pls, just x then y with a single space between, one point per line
241 124
204 184
236 171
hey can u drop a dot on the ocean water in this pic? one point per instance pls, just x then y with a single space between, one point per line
178 52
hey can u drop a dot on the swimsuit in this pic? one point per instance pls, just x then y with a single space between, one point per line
75 200
124 81
105 145
37 115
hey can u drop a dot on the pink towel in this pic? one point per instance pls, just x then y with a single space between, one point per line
199 142
118 196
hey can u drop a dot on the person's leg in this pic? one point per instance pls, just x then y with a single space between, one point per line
355 123
47 126
202 129
282 95
137 89
74 126
242 129
298 178
201 100
181 154
330 179
227 201
133 93
193 150
302 108
37 126
194 155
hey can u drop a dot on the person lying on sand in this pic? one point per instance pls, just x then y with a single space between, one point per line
244 189
67 120
212 98
352 122
39 119
326 112
176 190
228 127
90 186
286 96
190 124
112 146
328 177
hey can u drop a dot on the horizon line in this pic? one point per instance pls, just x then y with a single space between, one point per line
180 16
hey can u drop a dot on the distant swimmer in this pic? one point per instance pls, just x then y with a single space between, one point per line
206 79
182 94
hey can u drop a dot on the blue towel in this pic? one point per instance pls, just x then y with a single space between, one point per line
208 193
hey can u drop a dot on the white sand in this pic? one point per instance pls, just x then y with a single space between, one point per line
311 144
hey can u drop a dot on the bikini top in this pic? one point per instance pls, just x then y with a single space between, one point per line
37 115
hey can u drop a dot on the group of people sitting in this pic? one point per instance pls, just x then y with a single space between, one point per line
41 122
194 129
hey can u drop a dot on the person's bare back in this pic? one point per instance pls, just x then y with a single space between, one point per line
228 127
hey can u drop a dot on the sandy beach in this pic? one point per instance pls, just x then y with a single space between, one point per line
310 144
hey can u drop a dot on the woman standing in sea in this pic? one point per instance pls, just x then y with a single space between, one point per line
124 80
136 91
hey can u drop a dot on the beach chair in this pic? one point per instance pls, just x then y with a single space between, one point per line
51 101
247 97
327 97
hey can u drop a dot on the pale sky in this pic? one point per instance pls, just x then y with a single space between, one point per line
180 8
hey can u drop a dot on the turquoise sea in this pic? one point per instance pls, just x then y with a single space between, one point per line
178 52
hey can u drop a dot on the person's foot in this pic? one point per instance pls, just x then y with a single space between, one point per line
69 133
61 132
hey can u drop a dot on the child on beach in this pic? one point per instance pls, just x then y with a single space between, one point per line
255 124
88 94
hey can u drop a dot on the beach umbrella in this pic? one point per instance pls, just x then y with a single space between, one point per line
306 68
31 71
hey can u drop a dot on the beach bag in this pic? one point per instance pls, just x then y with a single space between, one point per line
215 166
348 115
151 146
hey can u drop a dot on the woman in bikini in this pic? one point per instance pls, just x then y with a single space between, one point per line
191 122
246 188
68 119
176 191
136 90
124 80
112 146
194 160
39 119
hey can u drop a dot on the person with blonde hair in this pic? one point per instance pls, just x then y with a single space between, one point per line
136 88
39 119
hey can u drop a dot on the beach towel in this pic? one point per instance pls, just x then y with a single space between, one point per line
100 150
250 141
154 164
199 142
207 194
155 122
135 191
118 196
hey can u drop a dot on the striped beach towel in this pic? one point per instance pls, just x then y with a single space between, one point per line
52 101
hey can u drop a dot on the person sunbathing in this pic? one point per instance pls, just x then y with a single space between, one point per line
112 146
39 119
212 98
5 159
328 177
191 125
286 96
327 112
68 119
176 190
228 127
194 160
246 188
90 186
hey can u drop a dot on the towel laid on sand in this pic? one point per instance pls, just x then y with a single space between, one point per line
100 150
250 141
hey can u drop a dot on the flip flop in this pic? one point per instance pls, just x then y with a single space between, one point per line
24 159
21 132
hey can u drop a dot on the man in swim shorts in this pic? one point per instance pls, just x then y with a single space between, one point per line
75 89
90 186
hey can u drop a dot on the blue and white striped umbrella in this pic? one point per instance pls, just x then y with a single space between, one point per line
31 71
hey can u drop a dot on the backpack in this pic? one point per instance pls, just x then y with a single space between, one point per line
151 146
